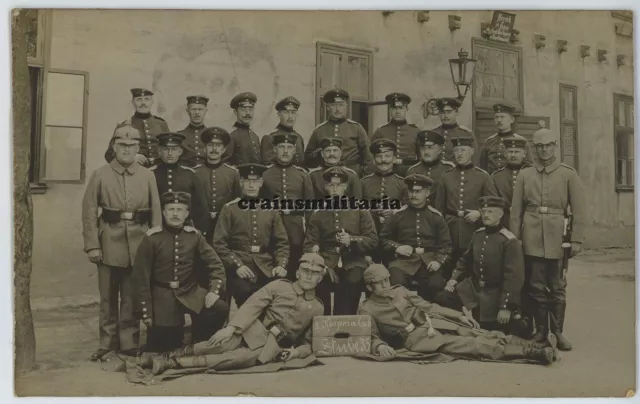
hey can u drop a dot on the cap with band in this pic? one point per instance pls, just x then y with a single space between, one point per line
375 273
176 197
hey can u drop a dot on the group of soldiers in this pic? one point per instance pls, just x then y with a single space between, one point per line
163 223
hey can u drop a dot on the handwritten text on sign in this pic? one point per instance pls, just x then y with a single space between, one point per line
501 26
341 335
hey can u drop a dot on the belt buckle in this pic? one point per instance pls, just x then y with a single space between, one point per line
419 250
543 209
410 327
286 211
213 214
461 213
174 284
255 248
126 215
481 283
275 331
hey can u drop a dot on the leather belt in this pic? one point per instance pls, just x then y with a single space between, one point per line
165 285
545 210
114 216
485 284
283 339
254 249
459 213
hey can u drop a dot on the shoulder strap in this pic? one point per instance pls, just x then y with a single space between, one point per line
154 230
434 210
232 202
507 234
188 168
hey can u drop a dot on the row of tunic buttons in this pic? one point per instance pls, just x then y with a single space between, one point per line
175 266
169 177
461 189
284 183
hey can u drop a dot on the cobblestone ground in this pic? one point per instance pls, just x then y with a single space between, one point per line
600 324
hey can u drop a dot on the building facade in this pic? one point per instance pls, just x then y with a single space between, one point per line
569 71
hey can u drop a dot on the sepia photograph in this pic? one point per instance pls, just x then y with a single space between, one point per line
379 203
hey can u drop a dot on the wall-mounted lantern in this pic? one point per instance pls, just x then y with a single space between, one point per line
539 41
462 71
562 46
602 55
621 60
585 51
454 22
423 16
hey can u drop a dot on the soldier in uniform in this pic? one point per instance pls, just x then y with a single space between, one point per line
400 131
541 197
331 154
288 113
418 239
128 196
345 239
274 324
165 282
250 242
173 177
495 267
458 194
220 181
244 146
429 145
492 154
403 320
147 124
448 108
194 151
355 141
286 180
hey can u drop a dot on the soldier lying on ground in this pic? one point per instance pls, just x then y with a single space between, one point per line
402 320
273 324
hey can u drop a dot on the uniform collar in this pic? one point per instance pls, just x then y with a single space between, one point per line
241 125
284 128
389 174
308 295
467 167
515 167
449 125
492 229
505 134
172 230
192 126
142 116
173 166
120 169
337 121
212 165
430 164
411 207
381 299
398 123
279 165
550 168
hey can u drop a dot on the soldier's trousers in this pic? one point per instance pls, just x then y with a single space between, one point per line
119 328
347 292
429 283
294 225
546 284
233 354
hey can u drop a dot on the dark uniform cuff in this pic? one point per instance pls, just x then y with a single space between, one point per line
506 303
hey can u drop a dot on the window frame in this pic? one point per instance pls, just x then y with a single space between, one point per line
622 130
568 122
344 51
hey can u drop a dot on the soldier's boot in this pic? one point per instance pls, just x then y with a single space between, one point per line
145 359
557 322
186 350
541 322
160 364
551 342
544 355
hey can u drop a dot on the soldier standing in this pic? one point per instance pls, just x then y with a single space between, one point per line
173 177
355 141
495 267
400 131
147 124
288 114
249 242
128 196
448 108
541 197
345 239
331 154
457 197
194 151
492 154
164 278
284 180
430 146
418 239
505 177
244 146
220 181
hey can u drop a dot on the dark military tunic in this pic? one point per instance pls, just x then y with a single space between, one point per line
457 193
505 180
149 127
423 229
267 153
493 154
433 171
354 186
495 263
355 147
452 131
221 184
404 135
168 255
377 186
194 150
176 178
244 146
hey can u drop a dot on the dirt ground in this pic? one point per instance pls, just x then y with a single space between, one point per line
600 324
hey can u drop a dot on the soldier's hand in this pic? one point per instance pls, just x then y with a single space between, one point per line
210 299
434 266
315 249
504 316
344 238
404 250
472 216
244 272
385 213
576 248
95 255
279 271
221 336
385 350
148 322
470 321
141 159
289 353
451 285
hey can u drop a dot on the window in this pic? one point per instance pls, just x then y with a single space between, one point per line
347 68
569 125
624 142
498 76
